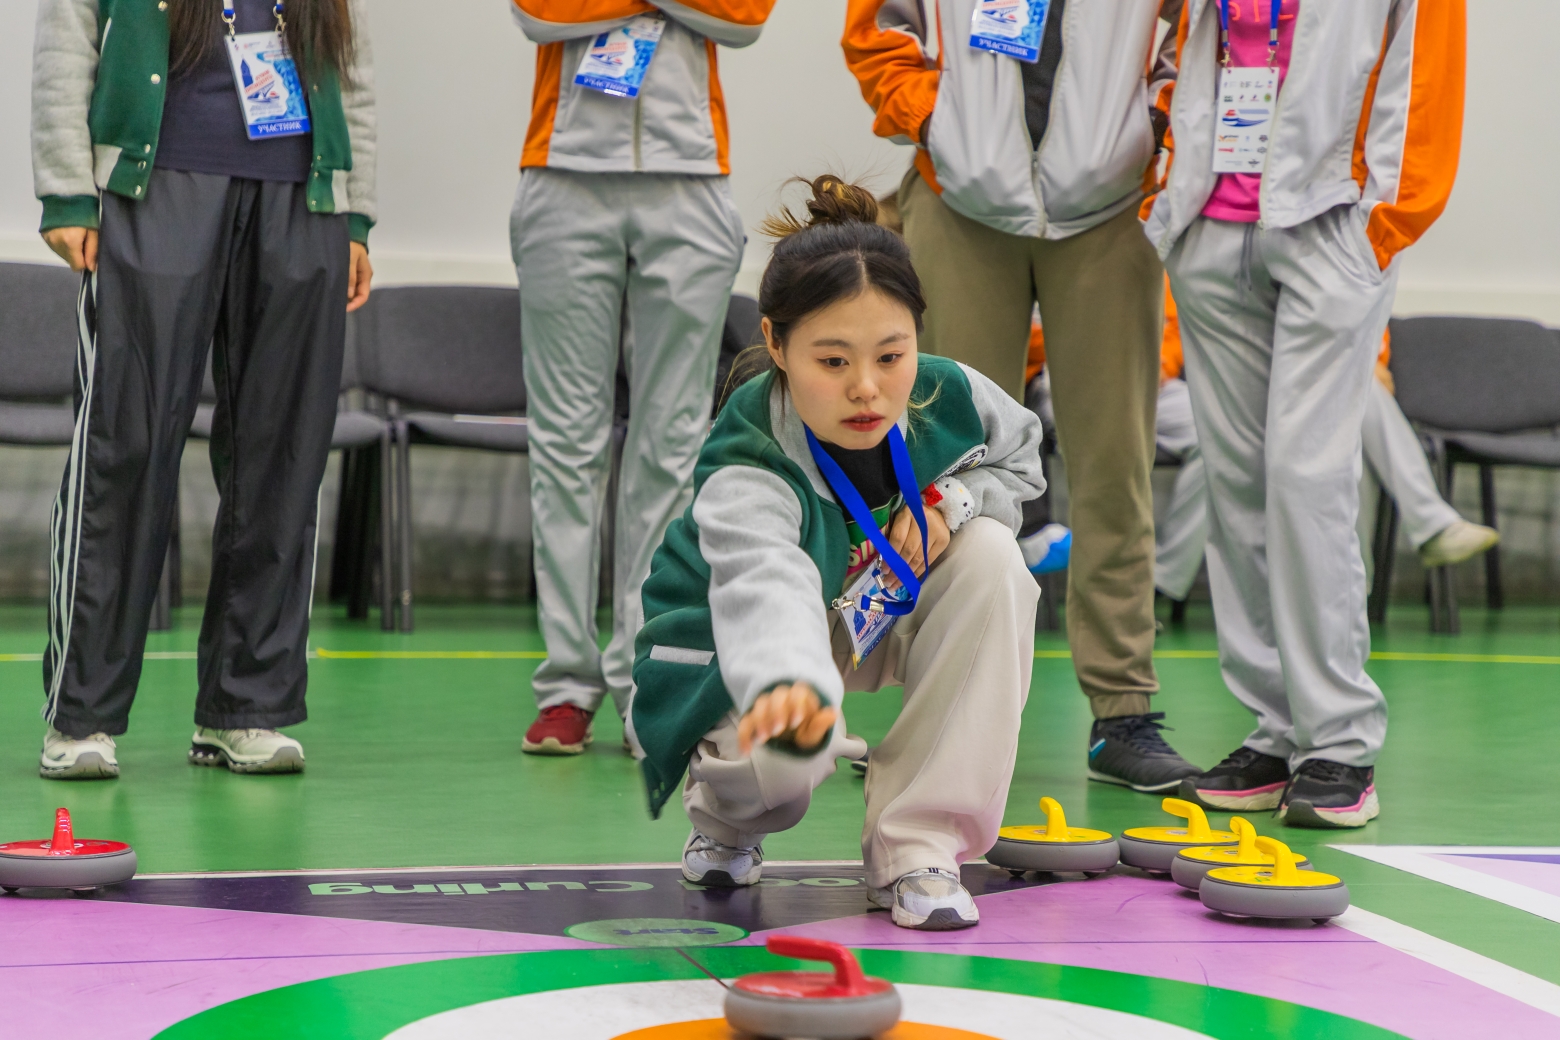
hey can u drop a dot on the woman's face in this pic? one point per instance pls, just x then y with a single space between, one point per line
850 367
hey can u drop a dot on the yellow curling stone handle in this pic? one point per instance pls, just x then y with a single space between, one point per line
1197 828
1282 874
1055 828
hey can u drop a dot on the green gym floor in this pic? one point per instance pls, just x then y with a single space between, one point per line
414 760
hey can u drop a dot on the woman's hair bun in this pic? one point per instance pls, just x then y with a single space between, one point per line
833 202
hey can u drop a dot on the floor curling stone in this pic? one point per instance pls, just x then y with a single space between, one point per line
1154 848
1190 865
65 861
1055 847
839 1005
1281 891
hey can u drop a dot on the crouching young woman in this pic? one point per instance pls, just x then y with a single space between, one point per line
852 528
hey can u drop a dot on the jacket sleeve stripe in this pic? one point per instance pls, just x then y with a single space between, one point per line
885 50
730 23
1415 137
718 110
550 21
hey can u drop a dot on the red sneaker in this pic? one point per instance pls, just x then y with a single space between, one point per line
563 729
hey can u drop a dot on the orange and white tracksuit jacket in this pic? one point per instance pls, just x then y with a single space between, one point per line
1370 114
677 124
913 60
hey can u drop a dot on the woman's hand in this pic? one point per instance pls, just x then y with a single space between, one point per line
359 274
790 710
905 537
77 246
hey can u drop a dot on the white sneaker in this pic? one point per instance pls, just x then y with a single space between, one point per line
246 750
931 900
1456 543
67 758
708 862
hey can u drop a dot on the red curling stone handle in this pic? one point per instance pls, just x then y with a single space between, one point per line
64 842
848 979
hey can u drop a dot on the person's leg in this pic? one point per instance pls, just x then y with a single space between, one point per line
1101 296
1331 311
1394 454
1226 300
977 286
146 319
938 783
277 368
567 233
685 245
1183 536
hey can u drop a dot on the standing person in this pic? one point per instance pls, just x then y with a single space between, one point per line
1348 116
623 231
852 529
201 219
1034 140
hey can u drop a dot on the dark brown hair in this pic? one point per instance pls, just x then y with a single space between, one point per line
319 34
838 252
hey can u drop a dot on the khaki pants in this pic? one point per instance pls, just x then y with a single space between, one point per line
1101 300
938 782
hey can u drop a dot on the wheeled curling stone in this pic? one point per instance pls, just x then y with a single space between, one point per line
1154 848
1056 847
1189 865
65 861
1280 891
819 1005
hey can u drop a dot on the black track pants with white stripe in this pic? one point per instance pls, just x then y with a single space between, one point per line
243 267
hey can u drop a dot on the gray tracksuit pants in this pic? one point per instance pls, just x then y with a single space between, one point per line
645 260
244 268
938 783
1281 327
1394 459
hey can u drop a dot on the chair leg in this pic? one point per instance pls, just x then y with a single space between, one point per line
387 538
1178 612
404 494
341 558
1045 618
1494 592
364 539
1384 552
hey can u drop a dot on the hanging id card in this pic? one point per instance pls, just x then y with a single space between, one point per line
616 62
269 90
1011 27
867 628
1247 96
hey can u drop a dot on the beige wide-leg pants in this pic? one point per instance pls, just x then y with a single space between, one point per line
938 783
1101 297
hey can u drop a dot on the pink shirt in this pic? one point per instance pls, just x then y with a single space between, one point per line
1237 196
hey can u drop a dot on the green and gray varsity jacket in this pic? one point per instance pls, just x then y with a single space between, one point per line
739 592
100 71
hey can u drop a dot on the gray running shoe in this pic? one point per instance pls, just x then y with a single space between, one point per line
246 750
69 758
1130 752
930 900
708 862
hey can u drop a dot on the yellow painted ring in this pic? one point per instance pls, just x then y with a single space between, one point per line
1179 836
1038 834
1262 877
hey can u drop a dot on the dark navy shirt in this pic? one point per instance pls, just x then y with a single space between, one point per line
203 122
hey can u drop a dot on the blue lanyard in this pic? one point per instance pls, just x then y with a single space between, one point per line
230 16
1274 8
854 504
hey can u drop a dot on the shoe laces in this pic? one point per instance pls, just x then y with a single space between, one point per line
1239 759
558 711
1322 770
1141 733
704 843
930 883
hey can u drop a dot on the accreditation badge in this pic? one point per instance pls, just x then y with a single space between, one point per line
867 628
616 62
1011 27
1247 99
269 89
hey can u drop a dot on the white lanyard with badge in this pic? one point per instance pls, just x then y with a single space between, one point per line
1011 27
269 89
616 62
1248 96
869 609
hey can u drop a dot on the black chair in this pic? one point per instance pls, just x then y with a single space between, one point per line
1483 391
446 362
37 354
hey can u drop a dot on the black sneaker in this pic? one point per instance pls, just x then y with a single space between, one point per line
1330 794
1129 751
1247 779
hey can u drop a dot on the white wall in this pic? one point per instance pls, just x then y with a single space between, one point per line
454 88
